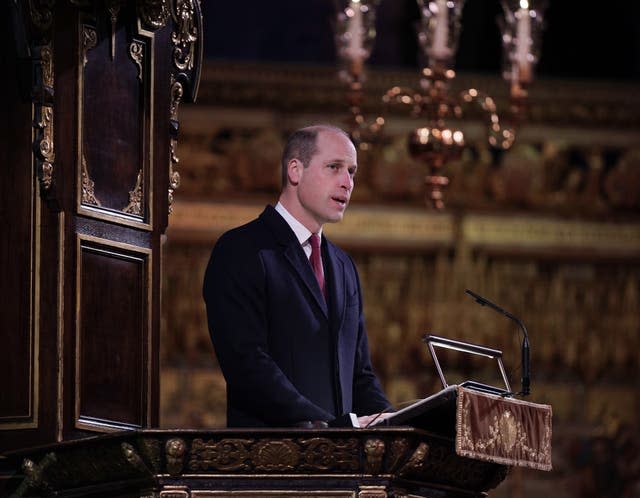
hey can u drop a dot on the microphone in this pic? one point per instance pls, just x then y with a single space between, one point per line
526 367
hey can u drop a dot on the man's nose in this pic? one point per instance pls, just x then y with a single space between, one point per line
347 181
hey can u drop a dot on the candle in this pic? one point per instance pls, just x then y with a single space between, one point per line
439 47
523 38
355 50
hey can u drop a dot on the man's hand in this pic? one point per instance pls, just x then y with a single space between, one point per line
366 420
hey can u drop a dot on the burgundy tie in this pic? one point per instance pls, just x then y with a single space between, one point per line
316 260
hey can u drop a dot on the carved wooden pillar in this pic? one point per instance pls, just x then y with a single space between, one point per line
89 169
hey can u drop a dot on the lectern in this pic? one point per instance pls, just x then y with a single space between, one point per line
465 447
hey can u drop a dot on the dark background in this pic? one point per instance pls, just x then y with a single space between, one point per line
582 39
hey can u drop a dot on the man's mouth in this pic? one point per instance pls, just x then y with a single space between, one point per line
341 200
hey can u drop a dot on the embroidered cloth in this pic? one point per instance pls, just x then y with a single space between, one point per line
503 430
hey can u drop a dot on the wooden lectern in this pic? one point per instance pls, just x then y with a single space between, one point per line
478 438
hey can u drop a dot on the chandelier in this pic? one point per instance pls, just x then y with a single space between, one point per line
439 138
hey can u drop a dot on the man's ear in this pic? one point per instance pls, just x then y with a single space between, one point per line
294 171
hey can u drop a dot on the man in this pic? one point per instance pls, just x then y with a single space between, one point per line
291 355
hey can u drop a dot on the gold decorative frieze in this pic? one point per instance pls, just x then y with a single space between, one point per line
361 225
136 51
546 233
135 198
88 194
574 107
282 455
230 454
393 227
185 35
321 453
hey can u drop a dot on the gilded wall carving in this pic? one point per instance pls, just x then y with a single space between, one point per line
547 176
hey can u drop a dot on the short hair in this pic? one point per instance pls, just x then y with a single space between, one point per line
302 145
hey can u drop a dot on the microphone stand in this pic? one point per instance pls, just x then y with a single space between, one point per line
526 366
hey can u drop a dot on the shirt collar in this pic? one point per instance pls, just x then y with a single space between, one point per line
302 232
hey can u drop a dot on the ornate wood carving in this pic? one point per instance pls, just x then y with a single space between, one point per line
135 198
43 124
187 56
328 463
88 190
41 13
136 51
89 41
185 35
374 450
154 13
177 92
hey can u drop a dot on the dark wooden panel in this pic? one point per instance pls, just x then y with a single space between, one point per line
17 334
113 332
114 87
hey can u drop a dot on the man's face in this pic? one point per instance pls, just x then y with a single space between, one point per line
325 185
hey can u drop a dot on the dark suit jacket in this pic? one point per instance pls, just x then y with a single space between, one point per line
280 346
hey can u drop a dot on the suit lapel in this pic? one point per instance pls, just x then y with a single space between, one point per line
335 283
298 259
294 254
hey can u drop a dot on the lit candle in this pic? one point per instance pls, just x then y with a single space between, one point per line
523 37
355 49
439 47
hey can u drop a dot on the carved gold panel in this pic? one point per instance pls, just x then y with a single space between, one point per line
249 455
